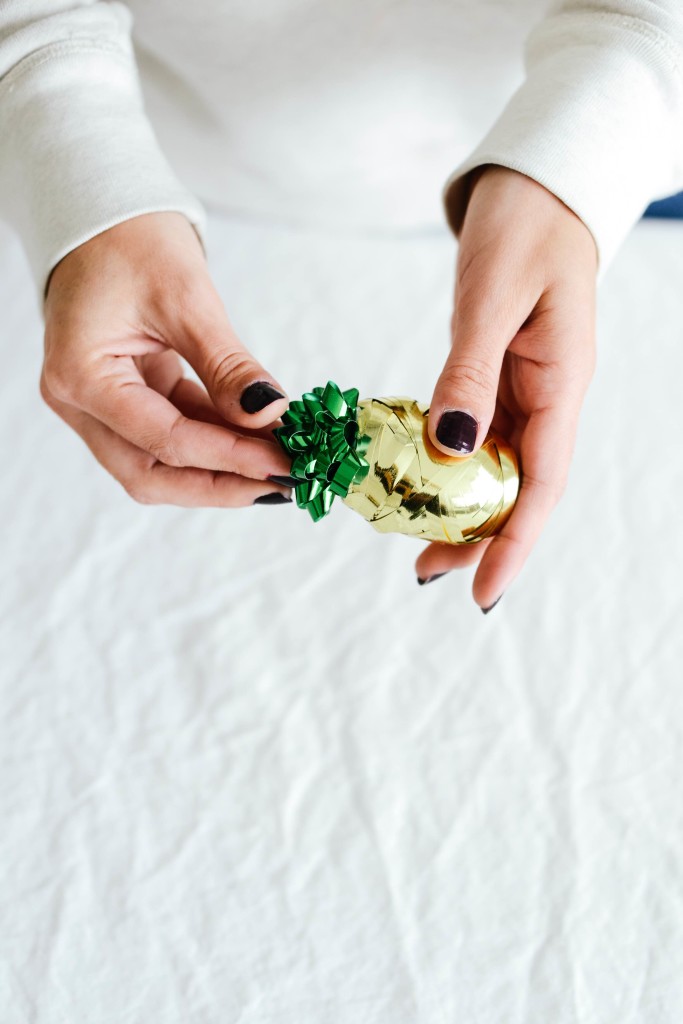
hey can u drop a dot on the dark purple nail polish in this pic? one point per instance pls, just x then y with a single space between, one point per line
430 579
487 610
457 430
274 498
258 395
286 481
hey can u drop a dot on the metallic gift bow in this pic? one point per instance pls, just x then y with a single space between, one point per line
320 433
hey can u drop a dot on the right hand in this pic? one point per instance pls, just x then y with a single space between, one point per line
120 311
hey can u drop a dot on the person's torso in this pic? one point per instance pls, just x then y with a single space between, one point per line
352 112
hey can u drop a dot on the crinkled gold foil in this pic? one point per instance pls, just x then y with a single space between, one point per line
415 489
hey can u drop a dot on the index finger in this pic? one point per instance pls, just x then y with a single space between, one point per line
151 422
546 448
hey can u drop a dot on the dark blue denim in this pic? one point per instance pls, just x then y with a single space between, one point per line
671 207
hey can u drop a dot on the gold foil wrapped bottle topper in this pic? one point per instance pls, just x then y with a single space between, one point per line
375 454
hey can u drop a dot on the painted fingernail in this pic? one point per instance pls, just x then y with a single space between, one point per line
274 498
286 481
457 430
430 579
487 610
258 395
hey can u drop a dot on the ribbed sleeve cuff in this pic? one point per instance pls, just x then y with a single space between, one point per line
597 122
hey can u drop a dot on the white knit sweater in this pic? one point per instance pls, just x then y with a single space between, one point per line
348 115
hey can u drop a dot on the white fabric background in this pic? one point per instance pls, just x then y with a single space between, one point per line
251 772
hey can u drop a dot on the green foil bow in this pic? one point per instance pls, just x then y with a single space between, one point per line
320 433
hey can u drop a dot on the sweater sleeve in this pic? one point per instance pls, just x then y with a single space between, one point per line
77 153
598 120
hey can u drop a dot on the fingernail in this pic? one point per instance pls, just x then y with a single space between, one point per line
286 481
430 579
274 498
457 430
487 610
258 395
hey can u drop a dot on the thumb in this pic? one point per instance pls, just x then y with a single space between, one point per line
240 387
464 399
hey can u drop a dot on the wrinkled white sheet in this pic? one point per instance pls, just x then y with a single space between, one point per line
250 772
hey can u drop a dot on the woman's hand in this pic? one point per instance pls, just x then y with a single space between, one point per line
120 311
522 356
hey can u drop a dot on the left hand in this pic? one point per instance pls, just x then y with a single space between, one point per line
521 360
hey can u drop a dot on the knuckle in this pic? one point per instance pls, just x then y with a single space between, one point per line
474 377
61 380
549 490
237 449
223 487
513 540
136 489
556 490
168 449
228 367
45 392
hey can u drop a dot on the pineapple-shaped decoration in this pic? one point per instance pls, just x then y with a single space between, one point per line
376 455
